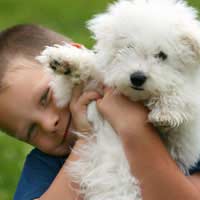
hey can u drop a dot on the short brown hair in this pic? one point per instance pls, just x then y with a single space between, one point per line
27 41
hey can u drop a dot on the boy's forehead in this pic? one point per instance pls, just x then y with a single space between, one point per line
19 67
22 82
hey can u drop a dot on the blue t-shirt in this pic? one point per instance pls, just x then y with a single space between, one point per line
38 173
40 170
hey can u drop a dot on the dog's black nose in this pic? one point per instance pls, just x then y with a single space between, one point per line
138 79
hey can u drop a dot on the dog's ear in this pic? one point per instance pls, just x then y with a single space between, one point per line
193 43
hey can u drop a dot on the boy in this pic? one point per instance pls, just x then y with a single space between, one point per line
27 104
28 112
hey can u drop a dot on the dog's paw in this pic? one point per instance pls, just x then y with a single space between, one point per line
64 59
163 120
60 67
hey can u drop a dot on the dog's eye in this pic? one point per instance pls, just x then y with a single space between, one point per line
161 55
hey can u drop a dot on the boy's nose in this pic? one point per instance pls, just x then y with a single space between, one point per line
50 123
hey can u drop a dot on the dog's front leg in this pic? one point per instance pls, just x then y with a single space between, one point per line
69 66
76 63
168 112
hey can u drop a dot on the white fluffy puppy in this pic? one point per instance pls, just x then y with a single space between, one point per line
149 50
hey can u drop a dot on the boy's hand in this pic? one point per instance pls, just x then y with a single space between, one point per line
78 108
80 123
124 115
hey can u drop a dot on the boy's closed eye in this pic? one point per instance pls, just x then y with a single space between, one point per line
43 101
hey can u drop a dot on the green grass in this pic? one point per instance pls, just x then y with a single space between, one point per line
12 158
65 16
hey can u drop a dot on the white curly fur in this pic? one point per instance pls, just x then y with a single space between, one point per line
130 36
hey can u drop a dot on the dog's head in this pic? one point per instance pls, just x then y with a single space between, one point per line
147 47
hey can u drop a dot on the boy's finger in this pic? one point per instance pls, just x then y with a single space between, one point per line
87 97
107 89
76 92
100 85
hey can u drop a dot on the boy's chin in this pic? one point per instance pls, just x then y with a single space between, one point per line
61 151
65 148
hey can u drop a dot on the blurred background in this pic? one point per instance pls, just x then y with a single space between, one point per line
65 16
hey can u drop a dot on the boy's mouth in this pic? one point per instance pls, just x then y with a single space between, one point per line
67 128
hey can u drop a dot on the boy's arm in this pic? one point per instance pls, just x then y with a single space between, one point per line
158 174
62 187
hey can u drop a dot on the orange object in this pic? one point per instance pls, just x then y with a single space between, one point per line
76 45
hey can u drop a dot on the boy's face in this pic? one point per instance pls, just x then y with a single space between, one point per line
28 111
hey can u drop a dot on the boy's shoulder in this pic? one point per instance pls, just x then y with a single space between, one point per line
38 173
37 156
